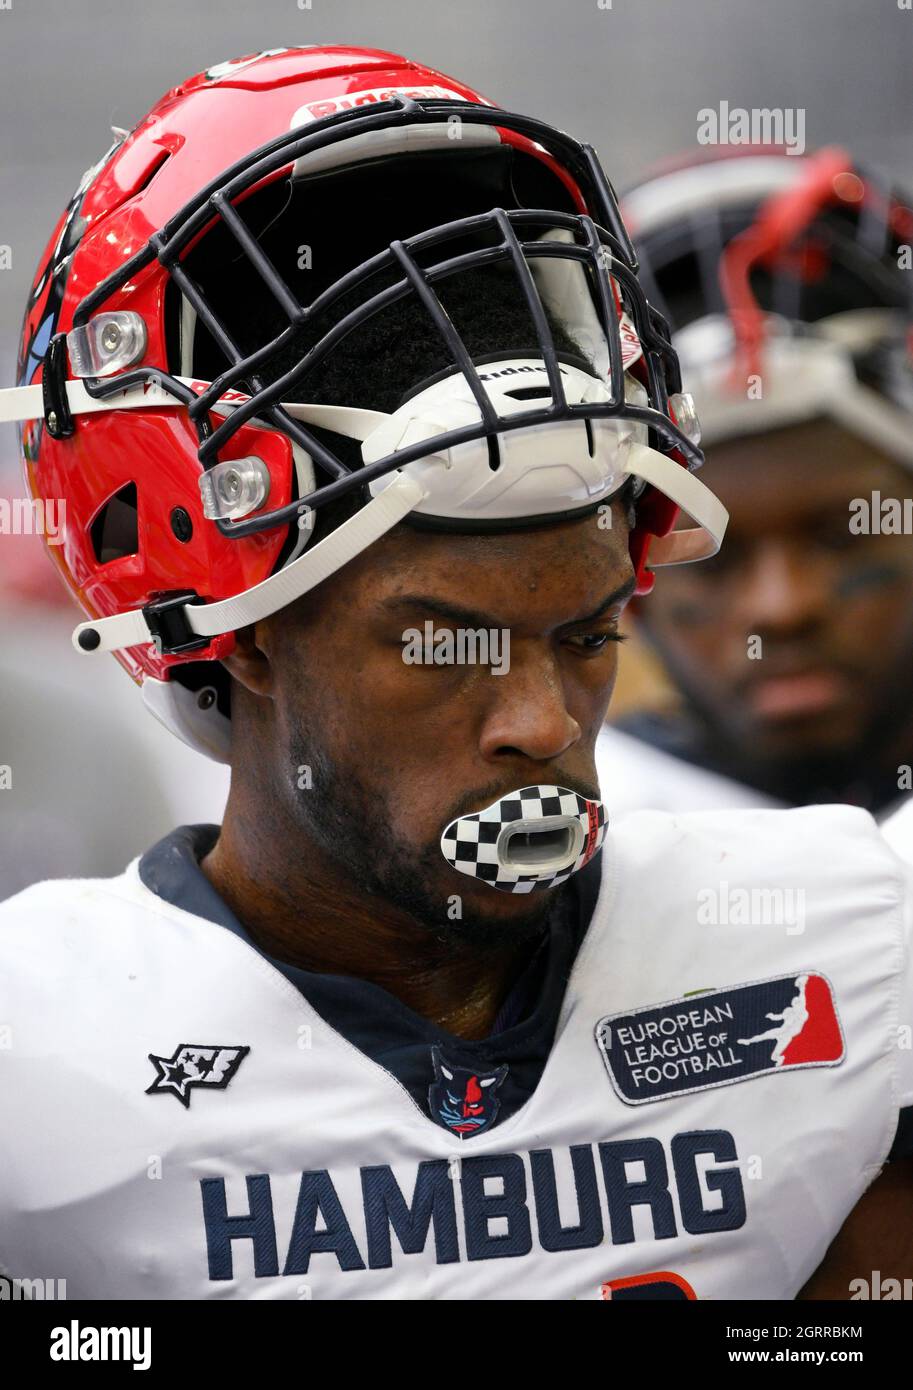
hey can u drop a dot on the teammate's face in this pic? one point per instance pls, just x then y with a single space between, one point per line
797 639
395 750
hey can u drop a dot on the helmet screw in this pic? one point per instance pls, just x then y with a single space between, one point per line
52 420
181 524
110 338
206 698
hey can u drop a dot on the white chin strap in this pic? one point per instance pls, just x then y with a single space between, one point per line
534 471
530 839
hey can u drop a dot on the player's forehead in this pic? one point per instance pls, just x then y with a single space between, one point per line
551 574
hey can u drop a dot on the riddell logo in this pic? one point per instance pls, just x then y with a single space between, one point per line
329 106
512 371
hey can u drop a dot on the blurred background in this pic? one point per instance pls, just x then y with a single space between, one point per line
95 779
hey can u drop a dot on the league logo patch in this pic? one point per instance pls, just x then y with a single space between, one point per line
464 1101
193 1065
720 1037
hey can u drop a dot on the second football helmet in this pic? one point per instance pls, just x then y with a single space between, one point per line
784 281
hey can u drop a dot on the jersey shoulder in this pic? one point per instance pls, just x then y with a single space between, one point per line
635 775
65 942
898 831
55 905
813 845
719 900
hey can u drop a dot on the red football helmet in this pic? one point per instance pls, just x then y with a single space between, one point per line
167 365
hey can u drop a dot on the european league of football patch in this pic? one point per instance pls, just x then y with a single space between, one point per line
721 1036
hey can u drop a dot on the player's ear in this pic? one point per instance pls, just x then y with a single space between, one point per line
248 663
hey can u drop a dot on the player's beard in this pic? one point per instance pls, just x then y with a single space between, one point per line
352 825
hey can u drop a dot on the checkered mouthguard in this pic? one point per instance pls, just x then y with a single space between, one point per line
532 838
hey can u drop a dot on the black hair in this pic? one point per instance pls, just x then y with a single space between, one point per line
397 351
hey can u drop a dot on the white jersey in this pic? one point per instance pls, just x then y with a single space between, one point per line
898 831
635 776
725 1082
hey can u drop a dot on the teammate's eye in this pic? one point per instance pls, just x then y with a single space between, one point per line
835 534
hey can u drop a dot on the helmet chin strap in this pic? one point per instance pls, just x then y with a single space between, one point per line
530 839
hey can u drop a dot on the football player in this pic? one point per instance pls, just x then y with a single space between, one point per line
349 382
787 283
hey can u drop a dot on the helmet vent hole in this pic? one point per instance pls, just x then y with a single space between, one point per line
529 393
157 162
589 437
114 532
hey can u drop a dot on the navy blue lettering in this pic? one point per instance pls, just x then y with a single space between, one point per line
317 1197
721 1145
257 1225
588 1231
386 1207
479 1209
652 1192
495 1208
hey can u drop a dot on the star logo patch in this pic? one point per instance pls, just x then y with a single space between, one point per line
193 1064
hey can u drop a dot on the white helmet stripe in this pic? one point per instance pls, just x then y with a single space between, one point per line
19 403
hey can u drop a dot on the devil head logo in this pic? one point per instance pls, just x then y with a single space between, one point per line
462 1100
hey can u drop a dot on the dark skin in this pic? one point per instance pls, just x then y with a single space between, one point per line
877 1234
428 743
833 610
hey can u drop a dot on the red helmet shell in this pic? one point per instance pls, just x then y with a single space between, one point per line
196 131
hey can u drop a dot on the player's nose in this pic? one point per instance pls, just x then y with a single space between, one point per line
780 590
528 712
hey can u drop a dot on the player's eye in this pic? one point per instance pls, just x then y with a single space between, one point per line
590 642
834 533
